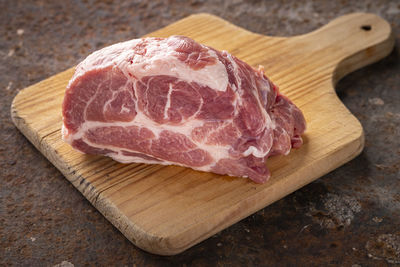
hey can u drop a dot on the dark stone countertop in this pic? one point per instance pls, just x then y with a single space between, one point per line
349 217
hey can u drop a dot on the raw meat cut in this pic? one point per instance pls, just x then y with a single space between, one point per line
175 101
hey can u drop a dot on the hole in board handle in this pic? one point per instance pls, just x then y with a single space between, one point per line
366 27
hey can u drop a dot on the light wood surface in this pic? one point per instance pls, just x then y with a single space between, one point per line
167 209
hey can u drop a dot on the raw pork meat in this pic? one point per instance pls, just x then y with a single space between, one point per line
175 101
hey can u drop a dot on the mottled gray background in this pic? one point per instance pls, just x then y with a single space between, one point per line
348 217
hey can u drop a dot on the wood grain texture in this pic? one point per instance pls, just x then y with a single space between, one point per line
167 209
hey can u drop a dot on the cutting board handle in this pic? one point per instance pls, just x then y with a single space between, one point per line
349 42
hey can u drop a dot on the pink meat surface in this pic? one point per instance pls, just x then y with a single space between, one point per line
175 101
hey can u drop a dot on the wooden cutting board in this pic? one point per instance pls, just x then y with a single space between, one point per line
167 209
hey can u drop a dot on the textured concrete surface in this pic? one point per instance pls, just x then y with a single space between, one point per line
349 217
